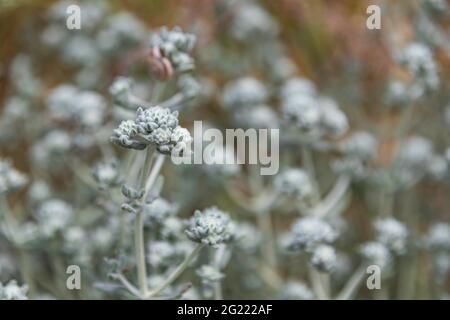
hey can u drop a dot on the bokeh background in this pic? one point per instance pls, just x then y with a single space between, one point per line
326 41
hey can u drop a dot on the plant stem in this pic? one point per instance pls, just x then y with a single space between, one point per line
265 224
308 163
139 230
317 284
153 175
140 253
177 272
133 290
218 291
351 287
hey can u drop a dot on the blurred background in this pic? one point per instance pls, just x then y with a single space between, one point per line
326 42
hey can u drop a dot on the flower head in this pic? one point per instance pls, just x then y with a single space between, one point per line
309 232
323 258
209 274
246 91
439 237
211 227
418 59
12 291
295 183
392 233
10 178
376 253
107 173
54 215
175 45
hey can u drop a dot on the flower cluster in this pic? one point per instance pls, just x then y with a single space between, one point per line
392 233
312 114
418 59
53 216
310 232
211 227
12 291
10 178
175 45
294 183
155 126
66 102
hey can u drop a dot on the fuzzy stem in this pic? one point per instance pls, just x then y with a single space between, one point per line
177 272
140 253
139 231
133 290
265 224
351 287
308 163
317 284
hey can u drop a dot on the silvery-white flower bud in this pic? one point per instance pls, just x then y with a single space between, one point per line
163 254
246 91
248 237
360 144
123 31
172 228
323 258
295 290
400 94
297 87
39 191
439 237
62 100
333 121
376 253
53 216
392 233
252 22
209 274
120 90
159 126
10 179
350 166
418 59
258 117
188 86
415 153
107 173
90 109
126 136
302 112
309 232
74 239
12 291
80 50
159 210
16 108
437 167
210 226
294 182
283 68
172 40
131 193
175 45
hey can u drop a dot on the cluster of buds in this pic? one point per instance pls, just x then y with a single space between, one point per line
170 52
